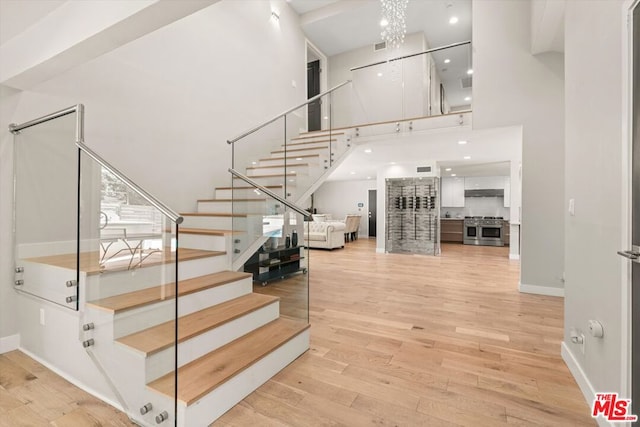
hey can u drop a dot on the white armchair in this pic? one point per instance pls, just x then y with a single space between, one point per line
352 224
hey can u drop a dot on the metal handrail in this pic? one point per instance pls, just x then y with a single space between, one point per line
79 109
270 193
173 216
308 101
435 49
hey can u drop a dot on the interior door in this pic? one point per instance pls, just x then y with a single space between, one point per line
313 88
372 212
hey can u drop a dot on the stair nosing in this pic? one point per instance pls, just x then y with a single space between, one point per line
278 166
321 141
266 300
299 149
322 133
291 157
270 176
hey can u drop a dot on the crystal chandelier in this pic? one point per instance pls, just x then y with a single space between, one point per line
393 21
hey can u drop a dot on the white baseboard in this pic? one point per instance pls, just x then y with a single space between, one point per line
10 343
541 290
380 250
584 384
76 382
514 256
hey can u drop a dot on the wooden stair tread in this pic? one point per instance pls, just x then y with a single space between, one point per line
233 200
300 149
277 175
290 157
142 297
319 141
317 134
160 337
90 261
248 188
210 371
213 214
206 231
277 166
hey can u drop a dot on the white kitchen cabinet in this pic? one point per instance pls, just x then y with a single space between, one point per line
483 182
507 191
452 190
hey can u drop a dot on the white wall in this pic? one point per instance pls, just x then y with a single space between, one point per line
162 107
512 87
593 159
373 98
340 198
9 100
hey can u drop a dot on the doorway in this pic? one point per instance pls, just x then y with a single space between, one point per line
314 113
373 208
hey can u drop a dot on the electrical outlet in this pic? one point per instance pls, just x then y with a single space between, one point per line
582 343
42 316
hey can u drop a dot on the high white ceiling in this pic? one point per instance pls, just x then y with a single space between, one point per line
337 26
18 15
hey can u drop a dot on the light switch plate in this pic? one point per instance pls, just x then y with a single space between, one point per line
572 207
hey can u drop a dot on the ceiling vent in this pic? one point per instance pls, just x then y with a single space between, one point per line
466 82
423 169
379 46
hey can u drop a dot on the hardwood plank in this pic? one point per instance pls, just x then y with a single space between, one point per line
160 337
202 375
206 231
12 375
140 298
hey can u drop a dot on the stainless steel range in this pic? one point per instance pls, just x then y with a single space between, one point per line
483 231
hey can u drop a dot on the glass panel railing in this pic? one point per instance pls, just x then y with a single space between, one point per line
279 260
129 277
415 86
45 215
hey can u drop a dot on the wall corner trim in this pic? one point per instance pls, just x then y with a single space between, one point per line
380 250
541 290
514 256
9 343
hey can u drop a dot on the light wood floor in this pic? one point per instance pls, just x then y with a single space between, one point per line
395 340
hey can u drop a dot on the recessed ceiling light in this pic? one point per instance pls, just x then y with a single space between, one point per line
466 157
453 174
470 71
379 74
393 163
384 22
368 150
446 61
298 158
368 177
352 173
453 20
447 169
254 163
291 180
467 98
292 172
326 117
462 142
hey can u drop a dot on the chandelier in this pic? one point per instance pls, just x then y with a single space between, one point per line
393 21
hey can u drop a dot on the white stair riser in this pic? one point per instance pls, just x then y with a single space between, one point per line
229 207
135 320
214 222
300 170
315 160
276 180
244 193
162 362
204 242
224 397
292 152
49 282
307 144
119 282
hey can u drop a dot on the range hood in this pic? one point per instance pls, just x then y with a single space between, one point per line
497 192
